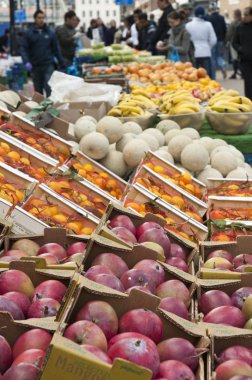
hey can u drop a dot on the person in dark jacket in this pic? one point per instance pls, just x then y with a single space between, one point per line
242 44
229 41
160 34
93 25
110 33
5 42
220 29
146 30
67 37
38 49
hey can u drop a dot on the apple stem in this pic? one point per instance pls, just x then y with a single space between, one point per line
138 343
46 310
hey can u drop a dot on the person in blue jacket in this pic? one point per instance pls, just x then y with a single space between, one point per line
40 50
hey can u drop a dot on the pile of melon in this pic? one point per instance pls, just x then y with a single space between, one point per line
9 97
121 147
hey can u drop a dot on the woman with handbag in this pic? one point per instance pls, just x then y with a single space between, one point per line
179 44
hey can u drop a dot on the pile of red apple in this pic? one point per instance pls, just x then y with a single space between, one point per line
136 336
24 360
151 235
220 308
234 363
22 300
147 275
223 260
53 253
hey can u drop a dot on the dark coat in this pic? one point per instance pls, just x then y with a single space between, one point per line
162 28
242 41
219 25
67 43
40 47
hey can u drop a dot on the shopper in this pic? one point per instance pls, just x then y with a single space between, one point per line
230 38
203 38
146 30
152 19
5 42
180 38
133 40
160 34
242 44
39 49
102 29
110 33
186 8
93 26
220 29
67 37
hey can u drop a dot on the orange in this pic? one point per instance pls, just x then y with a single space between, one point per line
10 187
82 172
233 187
14 155
66 195
113 193
36 202
19 195
50 211
74 227
111 184
104 175
88 168
31 140
169 220
60 218
133 205
167 198
86 231
100 182
189 187
25 161
186 178
5 146
42 172
178 201
150 165
159 169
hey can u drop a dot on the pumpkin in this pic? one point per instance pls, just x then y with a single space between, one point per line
111 127
95 145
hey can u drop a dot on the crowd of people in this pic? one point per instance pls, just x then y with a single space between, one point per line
204 38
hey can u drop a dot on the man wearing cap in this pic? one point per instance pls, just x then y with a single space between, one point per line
203 38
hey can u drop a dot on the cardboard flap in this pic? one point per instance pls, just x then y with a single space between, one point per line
98 288
244 242
124 370
59 235
206 273
179 273
190 328
147 300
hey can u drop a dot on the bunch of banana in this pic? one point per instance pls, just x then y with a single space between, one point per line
127 108
229 102
143 100
179 102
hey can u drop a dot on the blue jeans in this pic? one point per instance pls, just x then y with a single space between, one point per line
217 57
41 75
204 62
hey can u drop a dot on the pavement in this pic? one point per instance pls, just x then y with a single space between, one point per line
235 84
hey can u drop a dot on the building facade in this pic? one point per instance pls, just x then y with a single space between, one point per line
230 5
107 10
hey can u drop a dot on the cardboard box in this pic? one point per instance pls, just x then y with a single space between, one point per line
5 226
219 344
84 160
64 352
178 221
170 169
98 245
5 115
234 206
50 235
242 245
96 202
23 223
71 211
5 208
37 159
97 109
191 203
27 130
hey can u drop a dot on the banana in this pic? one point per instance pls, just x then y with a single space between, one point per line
130 109
232 92
225 108
237 106
141 93
181 111
115 112
191 105
242 100
214 101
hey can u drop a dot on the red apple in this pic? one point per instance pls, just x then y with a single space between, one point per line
76 247
32 356
11 307
146 226
221 253
178 251
142 321
15 253
34 338
124 235
49 289
175 370
240 295
121 336
141 351
109 280
154 268
23 371
175 306
123 221
86 332
236 352
102 314
157 235
5 355
226 315
135 277
212 299
16 281
218 263
97 269
55 250
28 246
44 307
178 349
231 368
173 288
96 352
112 262
50 259
20 299
177 263
243 259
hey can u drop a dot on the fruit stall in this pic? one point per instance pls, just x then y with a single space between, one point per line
125 228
